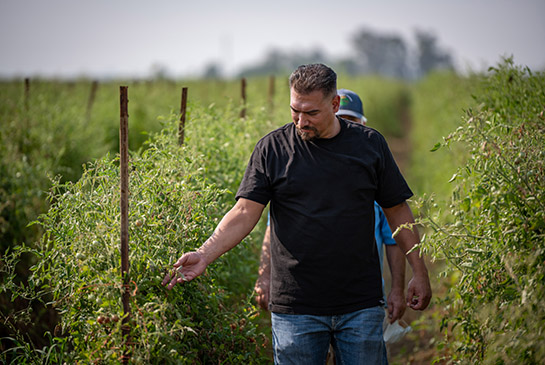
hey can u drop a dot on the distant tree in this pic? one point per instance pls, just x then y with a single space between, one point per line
429 56
277 62
381 54
212 71
374 53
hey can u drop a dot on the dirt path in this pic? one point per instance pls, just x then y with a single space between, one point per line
416 348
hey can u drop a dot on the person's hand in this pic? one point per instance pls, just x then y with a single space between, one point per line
396 305
419 292
262 289
187 268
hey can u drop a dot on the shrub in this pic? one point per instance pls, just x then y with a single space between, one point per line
493 238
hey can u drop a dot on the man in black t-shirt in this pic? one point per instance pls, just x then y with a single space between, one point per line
351 108
321 175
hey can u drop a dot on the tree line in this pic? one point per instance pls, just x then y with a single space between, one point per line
384 54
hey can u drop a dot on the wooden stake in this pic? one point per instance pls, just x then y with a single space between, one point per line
243 95
124 172
27 94
181 128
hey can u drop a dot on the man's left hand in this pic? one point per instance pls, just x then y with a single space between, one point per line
419 292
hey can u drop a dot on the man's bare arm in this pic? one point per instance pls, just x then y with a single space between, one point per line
419 289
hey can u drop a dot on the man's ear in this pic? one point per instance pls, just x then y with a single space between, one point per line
336 103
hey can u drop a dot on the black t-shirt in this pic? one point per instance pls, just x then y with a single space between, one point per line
324 259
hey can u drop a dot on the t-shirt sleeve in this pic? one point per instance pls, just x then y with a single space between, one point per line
255 184
392 187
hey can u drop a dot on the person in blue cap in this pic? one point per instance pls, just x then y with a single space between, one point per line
351 108
321 175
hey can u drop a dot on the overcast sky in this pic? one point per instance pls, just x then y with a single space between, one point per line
122 37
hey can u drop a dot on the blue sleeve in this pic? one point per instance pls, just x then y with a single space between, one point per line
382 229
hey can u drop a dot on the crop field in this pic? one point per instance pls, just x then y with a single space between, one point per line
471 148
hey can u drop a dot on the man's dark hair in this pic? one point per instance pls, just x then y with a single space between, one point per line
309 78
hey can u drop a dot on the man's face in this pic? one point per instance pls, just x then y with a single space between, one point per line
314 114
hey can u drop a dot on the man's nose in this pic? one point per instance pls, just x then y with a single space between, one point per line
303 122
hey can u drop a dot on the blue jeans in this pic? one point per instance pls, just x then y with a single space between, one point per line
304 339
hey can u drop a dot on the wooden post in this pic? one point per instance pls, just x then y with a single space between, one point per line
243 95
181 127
91 100
271 93
124 172
27 94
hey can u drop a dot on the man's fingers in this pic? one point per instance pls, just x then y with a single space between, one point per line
176 276
166 279
261 301
410 296
187 268
172 282
415 303
181 261
261 298
393 314
424 302
419 302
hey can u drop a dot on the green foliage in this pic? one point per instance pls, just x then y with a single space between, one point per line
173 208
37 138
49 129
438 101
225 143
493 237
57 127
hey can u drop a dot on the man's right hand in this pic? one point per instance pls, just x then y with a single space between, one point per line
187 268
396 305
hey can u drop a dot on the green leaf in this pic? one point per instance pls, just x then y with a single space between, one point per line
436 147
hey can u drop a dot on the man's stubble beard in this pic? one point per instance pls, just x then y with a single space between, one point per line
305 135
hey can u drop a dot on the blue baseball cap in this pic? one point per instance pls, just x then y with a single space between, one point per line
350 104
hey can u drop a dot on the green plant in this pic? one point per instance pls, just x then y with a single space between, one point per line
493 239
173 208
438 101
